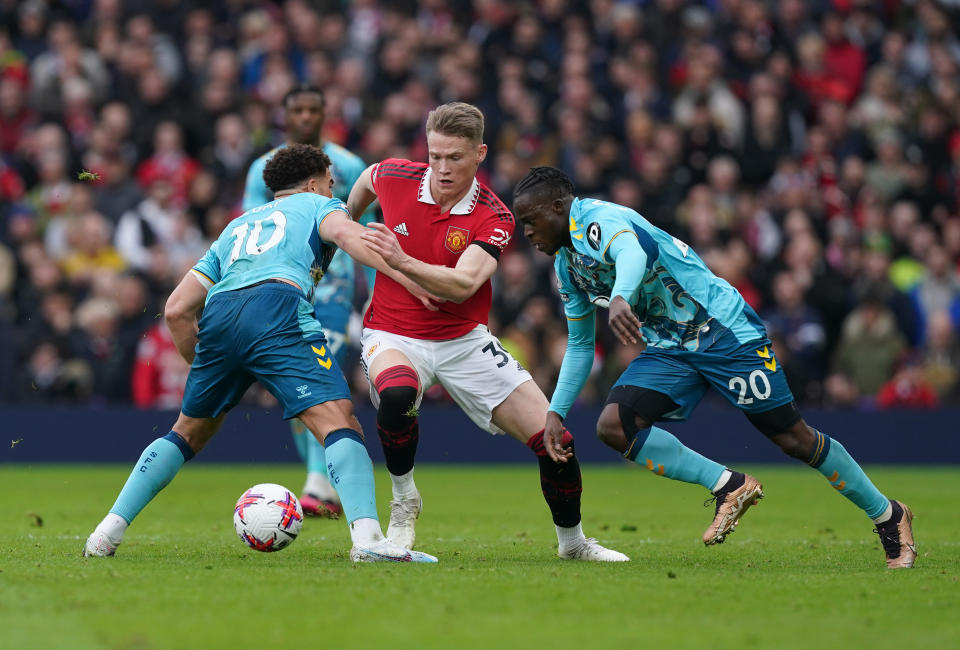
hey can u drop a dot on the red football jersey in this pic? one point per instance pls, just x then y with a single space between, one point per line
435 237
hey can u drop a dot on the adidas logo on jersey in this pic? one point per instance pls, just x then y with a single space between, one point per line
402 229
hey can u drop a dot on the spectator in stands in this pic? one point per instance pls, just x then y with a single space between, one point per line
941 358
31 27
116 192
66 63
231 152
48 377
89 250
16 115
140 29
96 342
170 162
869 352
908 388
800 329
152 223
938 292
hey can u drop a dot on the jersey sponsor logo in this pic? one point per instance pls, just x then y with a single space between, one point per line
593 235
456 239
500 237
402 229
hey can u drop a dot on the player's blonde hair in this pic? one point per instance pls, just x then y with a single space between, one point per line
457 119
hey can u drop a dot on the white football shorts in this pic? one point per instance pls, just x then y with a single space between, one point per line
475 369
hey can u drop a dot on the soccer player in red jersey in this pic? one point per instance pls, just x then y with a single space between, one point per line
445 231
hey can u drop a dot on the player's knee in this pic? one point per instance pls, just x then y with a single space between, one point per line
400 400
786 428
397 388
610 428
797 441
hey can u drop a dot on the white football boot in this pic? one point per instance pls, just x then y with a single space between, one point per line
589 549
386 551
99 545
403 518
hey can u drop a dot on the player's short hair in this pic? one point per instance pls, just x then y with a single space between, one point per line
551 182
293 165
303 89
457 119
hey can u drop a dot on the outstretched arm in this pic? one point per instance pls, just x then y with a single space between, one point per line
181 311
574 370
347 234
576 365
362 194
458 284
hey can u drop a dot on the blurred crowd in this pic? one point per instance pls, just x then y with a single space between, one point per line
809 151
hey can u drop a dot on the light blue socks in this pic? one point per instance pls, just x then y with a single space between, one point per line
661 453
833 461
160 462
351 472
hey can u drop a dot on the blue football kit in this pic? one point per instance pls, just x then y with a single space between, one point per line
697 328
333 298
699 332
254 327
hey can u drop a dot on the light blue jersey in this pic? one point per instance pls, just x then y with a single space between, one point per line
680 302
337 287
279 239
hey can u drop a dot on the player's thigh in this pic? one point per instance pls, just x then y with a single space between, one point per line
381 350
750 377
296 365
480 375
523 413
664 372
215 384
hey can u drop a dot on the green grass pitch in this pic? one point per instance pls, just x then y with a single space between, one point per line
803 570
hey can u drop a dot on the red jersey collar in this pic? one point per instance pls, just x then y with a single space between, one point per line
463 206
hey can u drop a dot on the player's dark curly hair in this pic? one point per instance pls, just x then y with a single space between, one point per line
293 165
303 89
550 181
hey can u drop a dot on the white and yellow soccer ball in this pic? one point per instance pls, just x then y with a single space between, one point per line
267 517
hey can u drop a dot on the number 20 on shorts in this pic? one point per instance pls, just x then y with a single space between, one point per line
758 384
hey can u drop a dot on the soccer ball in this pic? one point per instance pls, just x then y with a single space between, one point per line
267 517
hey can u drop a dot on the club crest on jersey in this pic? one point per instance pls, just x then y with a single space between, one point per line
593 235
456 239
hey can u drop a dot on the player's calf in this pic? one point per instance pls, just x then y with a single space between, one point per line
397 425
561 483
562 486
795 437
